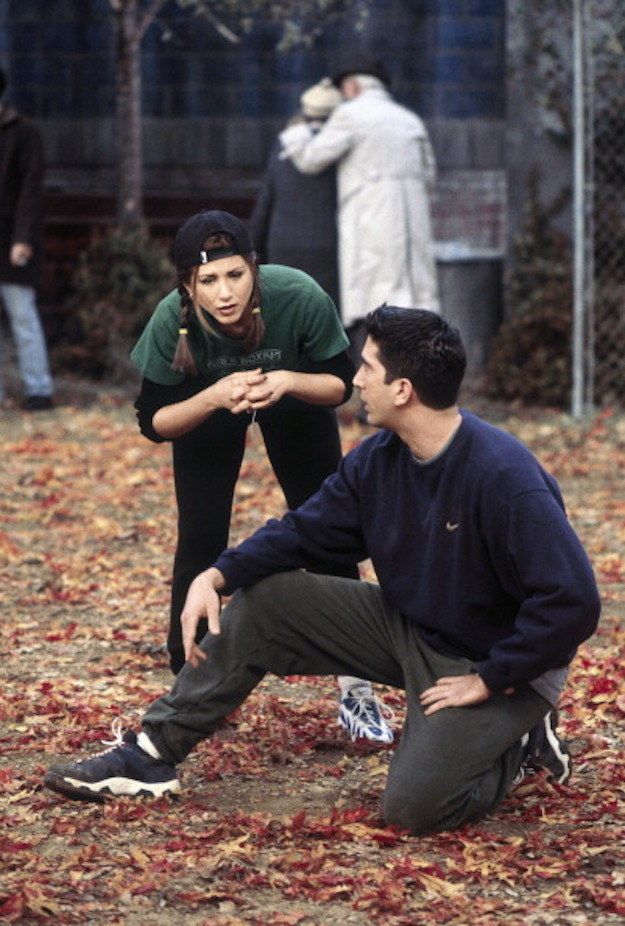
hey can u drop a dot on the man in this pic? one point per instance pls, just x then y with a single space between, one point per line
21 172
385 173
485 592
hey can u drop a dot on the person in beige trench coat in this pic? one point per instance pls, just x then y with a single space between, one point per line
385 174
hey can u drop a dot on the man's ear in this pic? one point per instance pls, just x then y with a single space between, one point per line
403 392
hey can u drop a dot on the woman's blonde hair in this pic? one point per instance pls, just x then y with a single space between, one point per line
190 309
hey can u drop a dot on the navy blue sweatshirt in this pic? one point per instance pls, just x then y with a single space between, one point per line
473 547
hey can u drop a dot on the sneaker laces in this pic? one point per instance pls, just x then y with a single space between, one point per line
118 736
118 740
363 705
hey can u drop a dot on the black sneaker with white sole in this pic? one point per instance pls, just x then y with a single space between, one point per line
544 749
124 769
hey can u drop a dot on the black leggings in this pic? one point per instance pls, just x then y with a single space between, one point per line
304 448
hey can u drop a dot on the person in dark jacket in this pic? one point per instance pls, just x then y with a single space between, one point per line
294 217
21 174
484 593
386 170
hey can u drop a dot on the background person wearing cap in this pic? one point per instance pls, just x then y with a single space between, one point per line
21 195
385 172
233 341
294 217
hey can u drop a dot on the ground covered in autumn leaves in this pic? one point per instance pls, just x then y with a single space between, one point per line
278 822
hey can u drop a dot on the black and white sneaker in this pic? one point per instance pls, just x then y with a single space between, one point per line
543 749
123 769
363 716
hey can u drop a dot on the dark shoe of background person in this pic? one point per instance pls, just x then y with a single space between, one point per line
37 403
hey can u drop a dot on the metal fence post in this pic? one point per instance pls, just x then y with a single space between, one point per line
579 308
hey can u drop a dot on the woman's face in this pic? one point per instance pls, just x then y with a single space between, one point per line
223 288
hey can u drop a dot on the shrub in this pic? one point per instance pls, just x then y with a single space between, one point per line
120 278
530 357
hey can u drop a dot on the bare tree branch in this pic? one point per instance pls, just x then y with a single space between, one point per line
301 21
148 17
218 25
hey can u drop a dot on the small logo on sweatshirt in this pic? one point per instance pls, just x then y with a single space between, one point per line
452 526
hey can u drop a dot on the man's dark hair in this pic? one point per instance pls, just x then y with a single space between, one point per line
420 346
3 80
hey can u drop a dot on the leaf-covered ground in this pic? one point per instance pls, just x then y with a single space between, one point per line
278 822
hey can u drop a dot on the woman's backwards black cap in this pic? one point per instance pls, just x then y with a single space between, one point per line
190 237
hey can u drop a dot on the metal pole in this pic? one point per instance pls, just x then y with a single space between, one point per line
577 360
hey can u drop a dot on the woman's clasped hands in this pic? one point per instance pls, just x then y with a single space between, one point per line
251 390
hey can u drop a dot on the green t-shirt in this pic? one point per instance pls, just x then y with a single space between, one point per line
301 322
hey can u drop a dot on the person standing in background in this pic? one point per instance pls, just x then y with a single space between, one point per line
21 195
385 173
294 218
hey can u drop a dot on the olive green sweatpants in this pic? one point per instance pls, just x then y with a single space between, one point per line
448 769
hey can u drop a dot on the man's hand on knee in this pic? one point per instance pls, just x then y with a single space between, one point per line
454 691
202 602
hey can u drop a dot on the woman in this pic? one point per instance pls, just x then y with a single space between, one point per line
237 342
294 217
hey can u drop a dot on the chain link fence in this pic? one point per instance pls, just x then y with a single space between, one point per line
603 94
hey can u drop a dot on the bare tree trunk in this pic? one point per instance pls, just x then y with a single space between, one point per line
132 19
128 37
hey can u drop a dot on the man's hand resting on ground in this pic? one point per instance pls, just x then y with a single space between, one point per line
202 601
